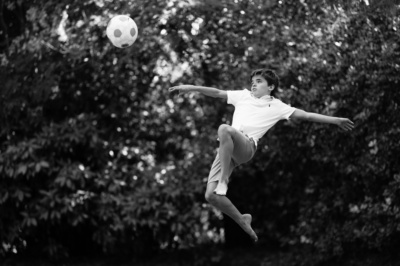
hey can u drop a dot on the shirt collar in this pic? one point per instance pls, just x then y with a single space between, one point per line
265 97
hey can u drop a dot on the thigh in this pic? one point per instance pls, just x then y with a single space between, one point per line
211 187
215 171
244 148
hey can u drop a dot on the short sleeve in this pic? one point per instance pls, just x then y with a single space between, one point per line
235 96
285 110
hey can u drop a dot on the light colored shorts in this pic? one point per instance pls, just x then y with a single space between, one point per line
244 149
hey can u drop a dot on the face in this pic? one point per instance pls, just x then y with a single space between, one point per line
260 87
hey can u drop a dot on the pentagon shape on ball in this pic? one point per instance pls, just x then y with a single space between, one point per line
122 31
117 33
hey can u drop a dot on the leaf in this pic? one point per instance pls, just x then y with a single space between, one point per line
37 167
10 172
19 194
44 164
22 169
33 221
44 215
4 197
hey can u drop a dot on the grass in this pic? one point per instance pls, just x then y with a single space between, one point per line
220 256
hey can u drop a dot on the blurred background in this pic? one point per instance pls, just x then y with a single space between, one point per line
100 165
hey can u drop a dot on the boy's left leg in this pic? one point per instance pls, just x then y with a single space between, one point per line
227 207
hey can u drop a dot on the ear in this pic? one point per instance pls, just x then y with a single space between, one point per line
271 88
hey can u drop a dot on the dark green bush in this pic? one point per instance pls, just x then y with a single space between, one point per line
95 155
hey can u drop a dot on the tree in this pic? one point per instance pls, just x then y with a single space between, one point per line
92 144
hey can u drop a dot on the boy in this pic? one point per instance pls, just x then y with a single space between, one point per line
256 111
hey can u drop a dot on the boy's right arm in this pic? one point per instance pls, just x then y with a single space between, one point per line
212 92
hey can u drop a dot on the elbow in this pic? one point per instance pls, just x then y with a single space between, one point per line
302 115
221 94
307 116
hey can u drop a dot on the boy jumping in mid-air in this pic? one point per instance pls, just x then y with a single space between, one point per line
256 111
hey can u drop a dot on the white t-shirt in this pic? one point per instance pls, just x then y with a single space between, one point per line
255 116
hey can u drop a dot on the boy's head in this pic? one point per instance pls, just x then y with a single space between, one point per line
269 76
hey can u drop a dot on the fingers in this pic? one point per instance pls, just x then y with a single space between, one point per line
176 88
172 89
347 125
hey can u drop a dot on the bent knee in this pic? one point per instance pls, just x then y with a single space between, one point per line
225 129
210 197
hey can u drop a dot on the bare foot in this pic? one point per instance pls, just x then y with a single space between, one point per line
221 188
247 228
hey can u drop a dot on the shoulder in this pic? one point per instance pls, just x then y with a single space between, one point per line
238 93
279 101
284 107
243 91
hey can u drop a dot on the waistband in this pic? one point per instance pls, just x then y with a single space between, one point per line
251 139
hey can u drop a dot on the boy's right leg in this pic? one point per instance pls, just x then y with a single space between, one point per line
232 145
226 206
226 135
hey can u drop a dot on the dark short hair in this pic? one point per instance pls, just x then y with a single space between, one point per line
270 76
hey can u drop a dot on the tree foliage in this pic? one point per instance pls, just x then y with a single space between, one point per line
94 148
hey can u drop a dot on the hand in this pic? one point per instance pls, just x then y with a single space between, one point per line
345 124
181 89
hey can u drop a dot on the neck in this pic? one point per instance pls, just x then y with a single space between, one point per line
266 96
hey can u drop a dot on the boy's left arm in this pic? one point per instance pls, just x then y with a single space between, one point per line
343 123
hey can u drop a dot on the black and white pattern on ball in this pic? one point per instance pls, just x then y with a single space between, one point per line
122 31
117 33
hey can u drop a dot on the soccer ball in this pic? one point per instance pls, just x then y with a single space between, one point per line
122 31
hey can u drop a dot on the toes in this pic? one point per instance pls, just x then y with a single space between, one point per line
248 218
255 239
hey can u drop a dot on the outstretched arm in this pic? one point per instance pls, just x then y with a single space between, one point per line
343 123
212 92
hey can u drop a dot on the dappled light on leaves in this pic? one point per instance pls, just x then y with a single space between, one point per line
93 144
